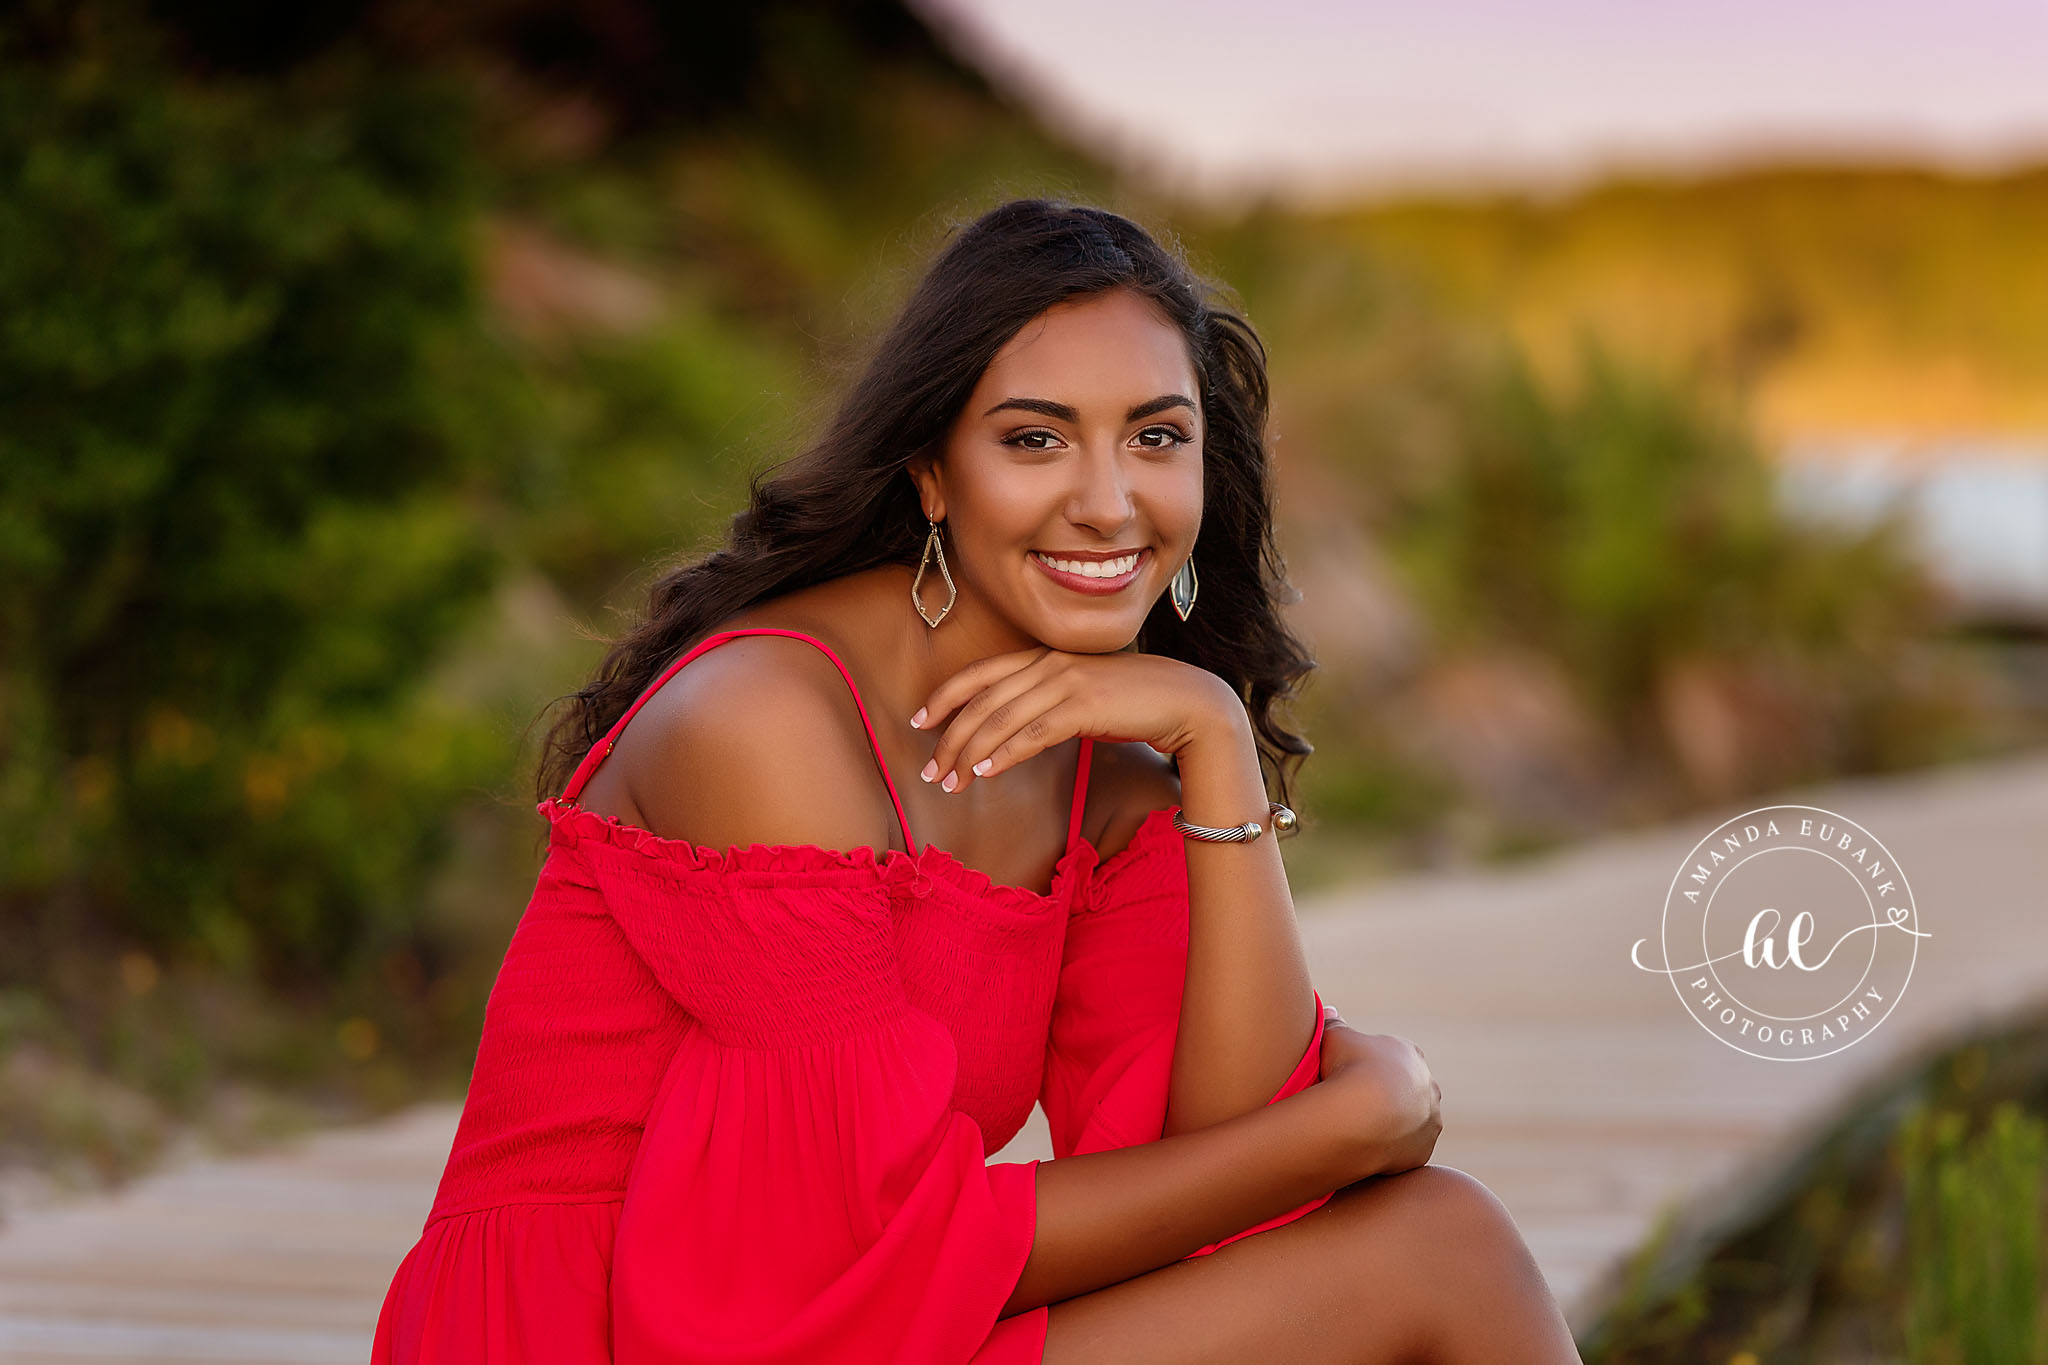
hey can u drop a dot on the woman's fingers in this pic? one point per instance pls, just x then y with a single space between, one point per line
964 685
1012 734
996 726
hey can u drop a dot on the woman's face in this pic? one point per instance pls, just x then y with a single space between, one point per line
1082 442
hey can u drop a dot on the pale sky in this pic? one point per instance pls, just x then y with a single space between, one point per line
1326 99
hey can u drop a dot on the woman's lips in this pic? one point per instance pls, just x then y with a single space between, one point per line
1094 587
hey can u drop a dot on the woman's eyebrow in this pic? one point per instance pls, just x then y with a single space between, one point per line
1046 407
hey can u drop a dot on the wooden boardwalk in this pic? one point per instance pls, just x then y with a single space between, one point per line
1574 1085
278 1258
1577 1086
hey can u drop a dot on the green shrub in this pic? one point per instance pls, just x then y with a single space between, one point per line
1627 526
1973 1211
240 498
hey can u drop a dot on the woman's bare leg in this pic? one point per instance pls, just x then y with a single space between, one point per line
1423 1266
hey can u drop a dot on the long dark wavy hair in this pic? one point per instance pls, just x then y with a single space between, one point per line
846 502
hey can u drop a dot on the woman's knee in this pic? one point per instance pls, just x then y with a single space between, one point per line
1468 1275
1451 1221
1458 1195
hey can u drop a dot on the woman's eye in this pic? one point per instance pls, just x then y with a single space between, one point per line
1174 436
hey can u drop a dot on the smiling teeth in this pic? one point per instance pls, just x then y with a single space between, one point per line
1088 568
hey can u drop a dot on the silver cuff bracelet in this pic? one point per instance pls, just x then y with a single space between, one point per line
1284 823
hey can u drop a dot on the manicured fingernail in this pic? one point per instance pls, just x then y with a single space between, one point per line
931 770
981 768
951 778
918 719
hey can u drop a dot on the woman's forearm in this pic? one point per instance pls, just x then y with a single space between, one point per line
1248 1007
1106 1216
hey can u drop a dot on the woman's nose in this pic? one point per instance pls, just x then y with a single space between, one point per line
1103 498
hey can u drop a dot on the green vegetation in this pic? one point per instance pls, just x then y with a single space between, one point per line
1974 1234
242 435
1909 1230
234 448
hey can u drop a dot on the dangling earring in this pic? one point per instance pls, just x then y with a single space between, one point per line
1182 588
931 547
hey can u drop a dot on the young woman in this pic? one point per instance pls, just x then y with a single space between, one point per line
753 1042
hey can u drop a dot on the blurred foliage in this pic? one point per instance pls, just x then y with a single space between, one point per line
249 445
1630 530
240 439
1909 1229
1974 1213
84 1114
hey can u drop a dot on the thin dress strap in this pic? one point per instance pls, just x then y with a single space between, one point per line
1080 791
602 749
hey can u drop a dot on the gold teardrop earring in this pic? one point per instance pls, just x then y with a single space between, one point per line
933 547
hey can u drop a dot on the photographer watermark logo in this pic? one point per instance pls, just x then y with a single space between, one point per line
1789 933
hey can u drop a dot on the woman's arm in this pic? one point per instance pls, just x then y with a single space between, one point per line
1106 1216
1248 1008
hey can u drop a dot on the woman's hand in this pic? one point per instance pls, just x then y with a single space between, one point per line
1389 1101
1007 707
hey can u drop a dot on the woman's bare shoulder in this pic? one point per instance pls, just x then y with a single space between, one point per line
755 741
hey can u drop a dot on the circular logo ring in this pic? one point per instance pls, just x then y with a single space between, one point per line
1788 957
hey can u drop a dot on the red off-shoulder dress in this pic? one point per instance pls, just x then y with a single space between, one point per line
738 1106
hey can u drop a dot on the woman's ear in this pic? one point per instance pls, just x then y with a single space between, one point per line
931 493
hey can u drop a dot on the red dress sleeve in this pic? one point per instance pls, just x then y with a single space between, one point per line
1109 1055
804 1190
